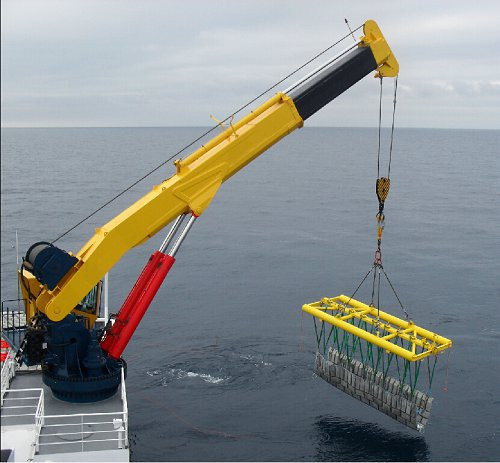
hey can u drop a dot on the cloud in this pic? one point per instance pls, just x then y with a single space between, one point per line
123 62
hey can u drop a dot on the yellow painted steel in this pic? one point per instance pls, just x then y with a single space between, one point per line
388 65
191 188
196 181
389 329
30 287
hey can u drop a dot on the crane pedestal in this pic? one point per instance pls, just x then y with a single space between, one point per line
74 366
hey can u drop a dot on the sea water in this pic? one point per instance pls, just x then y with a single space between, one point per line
221 367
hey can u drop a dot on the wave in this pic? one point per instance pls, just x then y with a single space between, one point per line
178 374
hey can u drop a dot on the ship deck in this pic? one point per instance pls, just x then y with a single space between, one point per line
40 427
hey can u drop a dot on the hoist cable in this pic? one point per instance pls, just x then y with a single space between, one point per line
379 128
395 294
373 285
392 127
359 286
380 216
378 294
205 134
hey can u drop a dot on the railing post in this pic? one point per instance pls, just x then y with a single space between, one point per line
39 419
106 298
125 409
120 437
42 422
125 437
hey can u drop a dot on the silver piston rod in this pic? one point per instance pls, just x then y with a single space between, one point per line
182 235
170 236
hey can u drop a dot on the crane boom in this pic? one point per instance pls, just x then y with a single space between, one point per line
199 176
61 291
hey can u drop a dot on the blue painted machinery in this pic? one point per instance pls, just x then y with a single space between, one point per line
48 263
74 365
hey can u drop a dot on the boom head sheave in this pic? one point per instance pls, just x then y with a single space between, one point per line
387 64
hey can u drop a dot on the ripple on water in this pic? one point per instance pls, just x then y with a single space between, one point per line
178 374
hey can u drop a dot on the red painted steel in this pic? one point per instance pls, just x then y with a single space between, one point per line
136 304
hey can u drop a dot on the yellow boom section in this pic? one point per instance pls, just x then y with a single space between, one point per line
197 180
200 175
387 63
391 333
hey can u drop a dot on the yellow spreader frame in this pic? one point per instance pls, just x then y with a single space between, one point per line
337 311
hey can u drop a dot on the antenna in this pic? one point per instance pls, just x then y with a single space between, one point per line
17 269
17 251
349 27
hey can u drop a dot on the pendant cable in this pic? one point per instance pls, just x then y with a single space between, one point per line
253 100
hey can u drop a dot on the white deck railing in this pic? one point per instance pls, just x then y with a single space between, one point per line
98 429
8 372
20 408
39 421
125 407
78 432
12 319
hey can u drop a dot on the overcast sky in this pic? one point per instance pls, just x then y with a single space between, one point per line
173 63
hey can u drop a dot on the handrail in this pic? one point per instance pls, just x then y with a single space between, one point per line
26 390
78 432
84 414
39 420
82 441
125 407
23 406
75 424
8 372
20 398
41 444
118 420
7 313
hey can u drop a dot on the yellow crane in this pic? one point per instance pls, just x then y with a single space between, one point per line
61 290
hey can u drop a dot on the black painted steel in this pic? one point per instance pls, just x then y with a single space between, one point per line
333 81
74 366
48 263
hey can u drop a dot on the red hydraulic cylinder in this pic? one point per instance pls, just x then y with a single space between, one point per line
136 304
135 294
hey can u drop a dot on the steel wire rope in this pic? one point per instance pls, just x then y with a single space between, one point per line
212 129
379 128
392 126
378 176
360 284
396 294
373 285
388 176
379 267
378 299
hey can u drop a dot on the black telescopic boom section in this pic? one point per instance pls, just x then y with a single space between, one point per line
332 81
